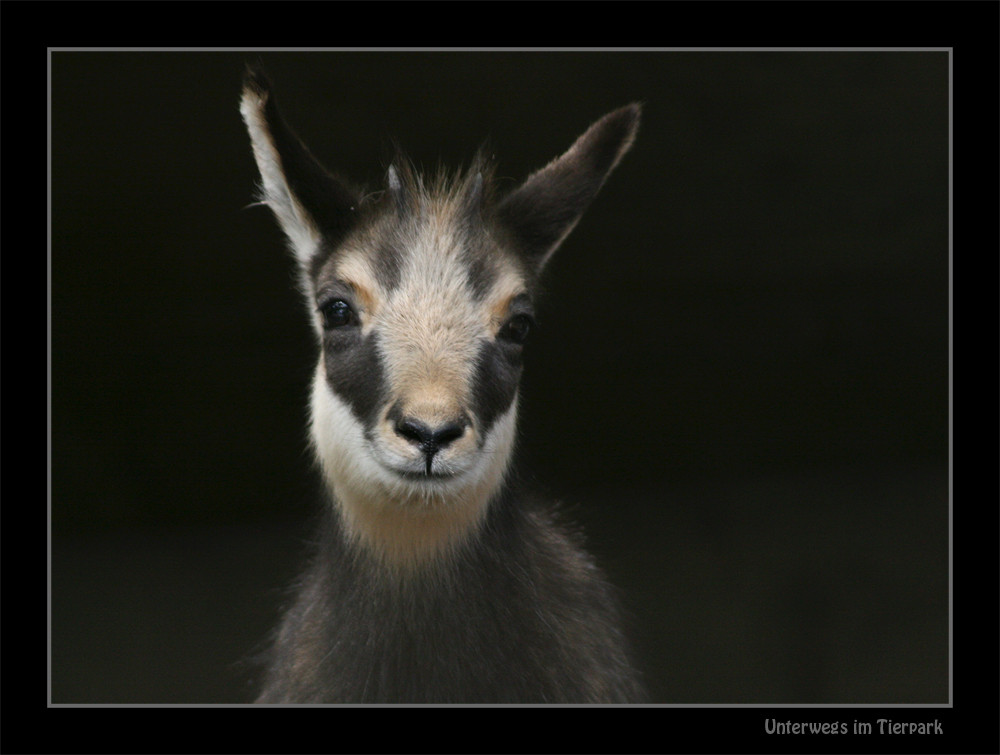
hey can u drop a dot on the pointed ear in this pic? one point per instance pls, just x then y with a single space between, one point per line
310 203
544 209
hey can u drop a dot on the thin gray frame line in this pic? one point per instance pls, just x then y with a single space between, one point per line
949 50
499 49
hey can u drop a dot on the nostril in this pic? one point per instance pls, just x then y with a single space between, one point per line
447 433
414 431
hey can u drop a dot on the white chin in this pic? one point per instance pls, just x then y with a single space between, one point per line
422 475
412 477
416 469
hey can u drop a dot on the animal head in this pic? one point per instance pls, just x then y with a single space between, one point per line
422 299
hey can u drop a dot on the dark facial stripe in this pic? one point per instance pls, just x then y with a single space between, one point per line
481 273
498 369
354 372
388 264
375 234
319 259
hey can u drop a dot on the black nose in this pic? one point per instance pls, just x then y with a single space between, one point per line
430 440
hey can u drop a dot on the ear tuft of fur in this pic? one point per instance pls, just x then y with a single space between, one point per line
256 82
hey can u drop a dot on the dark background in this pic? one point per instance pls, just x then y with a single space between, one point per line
739 385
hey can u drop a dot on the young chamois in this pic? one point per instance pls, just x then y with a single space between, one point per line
436 579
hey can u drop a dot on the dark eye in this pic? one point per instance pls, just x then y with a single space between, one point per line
517 328
336 313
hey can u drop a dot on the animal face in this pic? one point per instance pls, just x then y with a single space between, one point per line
422 299
422 313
